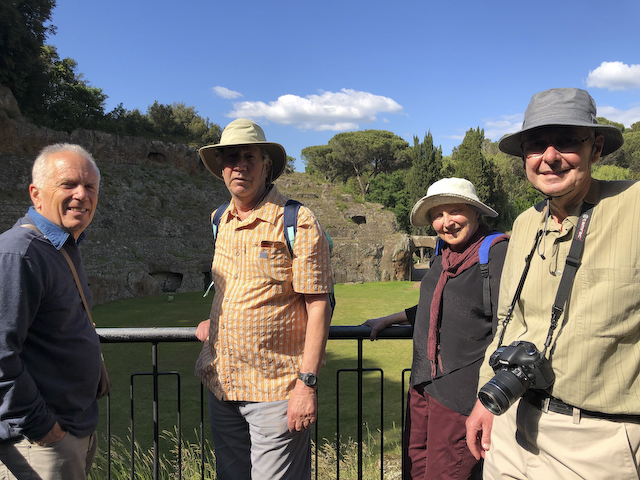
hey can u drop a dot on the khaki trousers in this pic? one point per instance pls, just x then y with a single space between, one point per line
529 444
67 459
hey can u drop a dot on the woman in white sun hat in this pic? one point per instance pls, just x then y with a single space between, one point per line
452 326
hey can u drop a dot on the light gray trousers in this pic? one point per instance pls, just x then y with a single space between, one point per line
252 441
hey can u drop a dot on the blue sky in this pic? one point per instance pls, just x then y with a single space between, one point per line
307 70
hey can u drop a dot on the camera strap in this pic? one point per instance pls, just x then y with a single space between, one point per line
516 296
571 267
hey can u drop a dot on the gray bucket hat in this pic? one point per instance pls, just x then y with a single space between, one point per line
563 107
240 133
447 191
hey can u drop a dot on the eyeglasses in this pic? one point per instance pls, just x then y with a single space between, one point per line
536 148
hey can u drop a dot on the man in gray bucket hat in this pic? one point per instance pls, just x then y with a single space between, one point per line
565 404
265 338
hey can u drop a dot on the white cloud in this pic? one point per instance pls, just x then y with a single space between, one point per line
337 111
615 76
625 117
495 129
226 93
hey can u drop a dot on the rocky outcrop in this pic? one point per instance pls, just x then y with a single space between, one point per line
151 232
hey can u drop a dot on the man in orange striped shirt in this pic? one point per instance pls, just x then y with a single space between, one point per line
265 340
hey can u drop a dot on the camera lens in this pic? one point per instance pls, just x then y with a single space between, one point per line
499 393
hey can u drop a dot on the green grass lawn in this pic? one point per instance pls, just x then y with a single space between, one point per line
355 304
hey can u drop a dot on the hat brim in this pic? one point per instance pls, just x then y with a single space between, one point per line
613 140
420 211
277 153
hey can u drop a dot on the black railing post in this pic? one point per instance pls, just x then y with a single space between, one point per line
360 408
156 423
187 334
202 430
108 436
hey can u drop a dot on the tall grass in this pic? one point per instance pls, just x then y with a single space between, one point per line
192 462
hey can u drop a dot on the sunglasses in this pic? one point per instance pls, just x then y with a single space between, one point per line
536 148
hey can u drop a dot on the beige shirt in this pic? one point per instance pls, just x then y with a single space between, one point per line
595 352
258 316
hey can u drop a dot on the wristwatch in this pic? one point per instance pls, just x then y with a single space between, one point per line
309 379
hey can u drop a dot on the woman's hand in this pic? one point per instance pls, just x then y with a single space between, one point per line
379 324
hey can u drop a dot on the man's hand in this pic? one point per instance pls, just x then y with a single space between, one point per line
54 435
303 407
479 426
202 332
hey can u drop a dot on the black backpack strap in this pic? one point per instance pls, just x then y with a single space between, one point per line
291 223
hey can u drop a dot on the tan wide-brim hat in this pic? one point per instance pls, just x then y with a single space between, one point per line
562 107
444 192
239 133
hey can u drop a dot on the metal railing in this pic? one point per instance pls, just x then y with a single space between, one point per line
155 336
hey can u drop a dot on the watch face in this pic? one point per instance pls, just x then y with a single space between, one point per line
309 379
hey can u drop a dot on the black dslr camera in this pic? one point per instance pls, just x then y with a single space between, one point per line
518 367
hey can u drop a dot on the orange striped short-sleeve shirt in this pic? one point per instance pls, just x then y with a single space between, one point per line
258 316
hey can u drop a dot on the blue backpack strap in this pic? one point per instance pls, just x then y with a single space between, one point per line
483 254
291 223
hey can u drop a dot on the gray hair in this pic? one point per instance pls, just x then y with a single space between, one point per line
41 171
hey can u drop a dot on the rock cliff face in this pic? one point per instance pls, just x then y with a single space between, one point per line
151 232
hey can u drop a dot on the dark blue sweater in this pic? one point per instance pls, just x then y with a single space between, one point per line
49 350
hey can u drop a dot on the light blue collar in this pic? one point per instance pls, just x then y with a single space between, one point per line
56 235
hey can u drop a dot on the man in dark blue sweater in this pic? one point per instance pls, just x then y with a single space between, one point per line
49 351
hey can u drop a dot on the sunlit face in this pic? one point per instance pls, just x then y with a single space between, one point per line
244 172
557 173
69 196
455 223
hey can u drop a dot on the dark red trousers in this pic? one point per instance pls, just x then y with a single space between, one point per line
435 445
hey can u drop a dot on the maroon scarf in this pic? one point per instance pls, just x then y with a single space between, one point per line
453 264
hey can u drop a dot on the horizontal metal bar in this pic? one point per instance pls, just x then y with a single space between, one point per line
188 334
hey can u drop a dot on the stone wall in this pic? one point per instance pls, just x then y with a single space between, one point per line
151 232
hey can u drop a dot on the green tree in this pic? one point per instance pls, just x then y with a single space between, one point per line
318 161
290 166
180 123
390 190
469 161
69 101
519 193
128 122
23 31
368 152
610 172
605 121
426 166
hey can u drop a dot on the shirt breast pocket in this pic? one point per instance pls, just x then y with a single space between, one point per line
274 260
